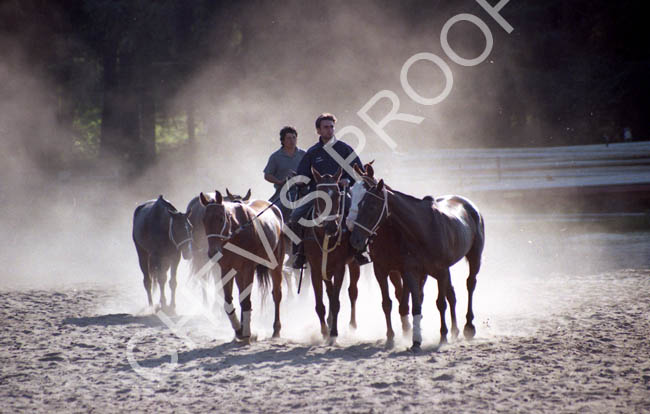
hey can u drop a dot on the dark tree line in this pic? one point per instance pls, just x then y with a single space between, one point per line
571 72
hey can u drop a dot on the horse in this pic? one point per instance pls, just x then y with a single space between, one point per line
161 234
435 234
195 210
387 239
233 230
327 261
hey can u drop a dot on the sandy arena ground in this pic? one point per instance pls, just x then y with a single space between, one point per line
547 342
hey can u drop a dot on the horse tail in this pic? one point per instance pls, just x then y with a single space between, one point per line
264 278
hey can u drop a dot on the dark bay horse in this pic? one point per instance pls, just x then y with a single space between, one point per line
328 251
435 234
195 211
387 238
247 242
160 234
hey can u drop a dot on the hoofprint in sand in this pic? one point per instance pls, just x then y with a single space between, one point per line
585 349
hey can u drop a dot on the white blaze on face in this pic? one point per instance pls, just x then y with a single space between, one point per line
357 191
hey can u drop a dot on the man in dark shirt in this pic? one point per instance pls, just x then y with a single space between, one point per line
320 159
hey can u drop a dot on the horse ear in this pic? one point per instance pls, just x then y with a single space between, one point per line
218 197
358 169
380 186
248 195
230 197
316 175
205 200
369 170
338 175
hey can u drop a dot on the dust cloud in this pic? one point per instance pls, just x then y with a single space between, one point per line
65 227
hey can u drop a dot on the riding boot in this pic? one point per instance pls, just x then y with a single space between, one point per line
298 256
298 260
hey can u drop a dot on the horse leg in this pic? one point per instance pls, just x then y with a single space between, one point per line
403 294
353 291
474 259
451 299
276 275
335 303
329 289
414 286
228 306
317 284
172 279
245 287
143 259
441 302
160 274
386 303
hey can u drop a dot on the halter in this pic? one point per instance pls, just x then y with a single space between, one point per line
171 234
221 235
373 230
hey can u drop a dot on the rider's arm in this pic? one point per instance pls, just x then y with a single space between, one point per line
272 179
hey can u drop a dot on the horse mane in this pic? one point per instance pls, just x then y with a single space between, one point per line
410 197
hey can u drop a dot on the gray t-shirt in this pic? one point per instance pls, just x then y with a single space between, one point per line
280 164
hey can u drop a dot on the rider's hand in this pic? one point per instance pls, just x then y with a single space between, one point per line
344 182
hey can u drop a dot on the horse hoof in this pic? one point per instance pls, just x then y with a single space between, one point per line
390 343
443 340
415 348
246 340
469 332
353 325
276 334
331 341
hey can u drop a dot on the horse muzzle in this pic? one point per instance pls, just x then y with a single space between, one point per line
357 241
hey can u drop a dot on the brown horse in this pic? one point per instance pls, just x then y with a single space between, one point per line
388 239
248 237
199 246
435 235
328 251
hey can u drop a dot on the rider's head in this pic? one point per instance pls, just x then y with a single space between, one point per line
288 137
325 125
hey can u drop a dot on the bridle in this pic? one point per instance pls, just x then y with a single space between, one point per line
171 233
333 217
341 209
373 231
226 219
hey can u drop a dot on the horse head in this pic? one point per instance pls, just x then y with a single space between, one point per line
180 232
328 209
237 198
371 210
216 221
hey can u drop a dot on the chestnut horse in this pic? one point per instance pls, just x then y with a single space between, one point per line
328 251
248 238
435 234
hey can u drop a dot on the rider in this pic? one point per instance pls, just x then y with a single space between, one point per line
283 163
318 158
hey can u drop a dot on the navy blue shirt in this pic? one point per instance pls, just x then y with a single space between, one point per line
318 157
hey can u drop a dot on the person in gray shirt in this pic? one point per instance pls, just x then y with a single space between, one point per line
283 163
